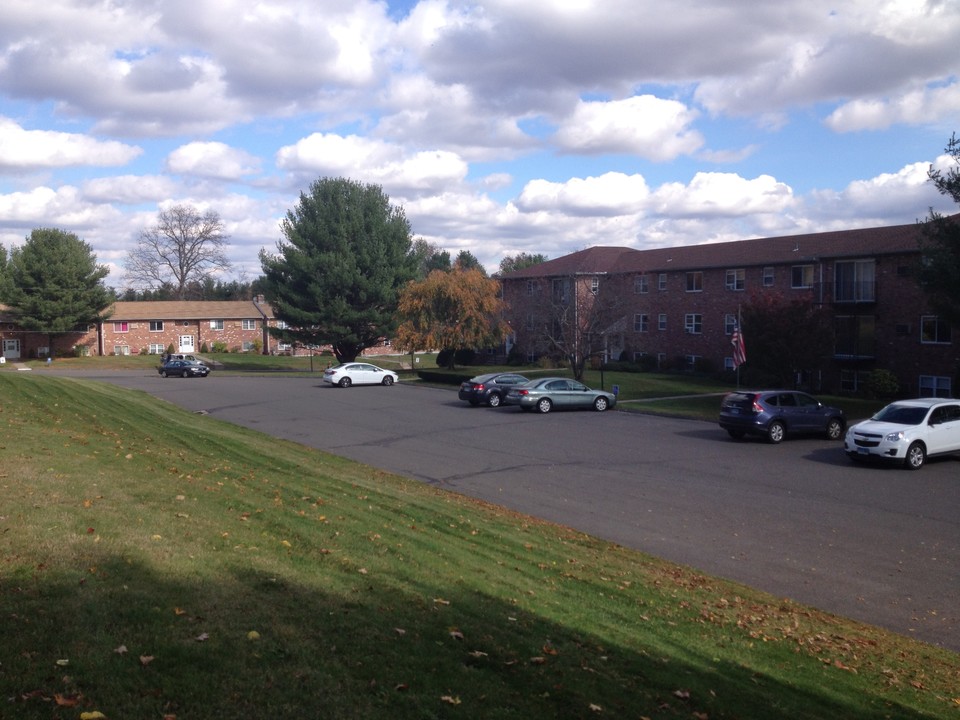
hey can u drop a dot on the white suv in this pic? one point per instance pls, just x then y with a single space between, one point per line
908 431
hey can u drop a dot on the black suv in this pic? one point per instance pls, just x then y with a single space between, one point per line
775 413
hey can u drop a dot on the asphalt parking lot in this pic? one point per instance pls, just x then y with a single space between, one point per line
877 544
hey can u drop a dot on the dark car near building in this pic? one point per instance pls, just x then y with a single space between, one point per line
183 368
490 388
774 414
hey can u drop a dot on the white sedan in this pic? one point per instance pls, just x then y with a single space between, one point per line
358 373
907 431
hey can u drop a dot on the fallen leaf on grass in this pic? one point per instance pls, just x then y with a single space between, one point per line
122 650
146 660
202 637
456 635
596 708
253 635
95 715
441 601
450 699
67 700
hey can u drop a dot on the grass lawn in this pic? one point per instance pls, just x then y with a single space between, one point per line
160 564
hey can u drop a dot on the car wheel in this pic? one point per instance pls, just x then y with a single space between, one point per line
916 456
834 429
776 431
494 400
185 374
736 434
601 404
163 373
544 405
388 381
344 382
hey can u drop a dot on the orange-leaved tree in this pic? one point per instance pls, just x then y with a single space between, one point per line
455 310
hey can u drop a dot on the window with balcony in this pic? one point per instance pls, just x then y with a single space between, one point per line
854 281
695 281
855 336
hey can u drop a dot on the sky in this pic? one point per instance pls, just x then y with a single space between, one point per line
500 126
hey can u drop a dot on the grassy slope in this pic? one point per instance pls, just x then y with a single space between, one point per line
140 545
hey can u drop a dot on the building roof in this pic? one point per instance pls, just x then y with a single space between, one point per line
189 310
892 240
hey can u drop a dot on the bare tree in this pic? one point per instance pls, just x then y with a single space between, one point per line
185 247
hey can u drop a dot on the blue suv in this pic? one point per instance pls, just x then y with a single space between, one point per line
775 413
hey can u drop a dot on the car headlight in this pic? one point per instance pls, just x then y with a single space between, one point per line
894 436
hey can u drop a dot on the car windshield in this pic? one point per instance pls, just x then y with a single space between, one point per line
901 414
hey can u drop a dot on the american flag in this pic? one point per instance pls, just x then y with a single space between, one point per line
739 348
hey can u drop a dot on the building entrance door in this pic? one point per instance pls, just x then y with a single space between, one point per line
186 343
11 348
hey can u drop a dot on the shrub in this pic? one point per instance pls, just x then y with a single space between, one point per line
170 349
881 384
204 349
464 356
218 347
444 357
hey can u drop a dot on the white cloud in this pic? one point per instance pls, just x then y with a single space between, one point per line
128 189
609 194
916 107
30 149
723 194
212 160
644 125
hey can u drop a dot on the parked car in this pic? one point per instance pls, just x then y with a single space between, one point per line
358 373
545 394
907 431
776 413
183 368
490 388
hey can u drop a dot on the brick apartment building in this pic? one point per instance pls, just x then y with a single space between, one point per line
152 327
682 303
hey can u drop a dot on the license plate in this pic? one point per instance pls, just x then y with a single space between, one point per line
863 451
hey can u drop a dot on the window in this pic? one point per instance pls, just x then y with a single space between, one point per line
694 281
735 279
692 361
156 326
855 336
935 386
216 324
594 285
561 290
729 323
693 323
121 327
662 281
641 322
801 276
121 349
247 345
851 381
662 321
854 281
248 324
281 325
532 287
531 321
768 276
157 349
728 363
934 331
640 284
